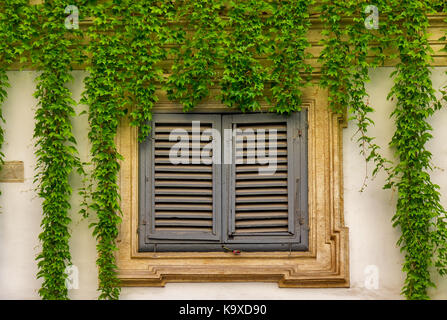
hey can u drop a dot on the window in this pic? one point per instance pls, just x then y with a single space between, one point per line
212 182
320 258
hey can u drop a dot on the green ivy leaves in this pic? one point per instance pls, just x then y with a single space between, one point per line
105 95
419 214
198 53
56 154
289 25
10 50
252 51
244 77
345 68
147 33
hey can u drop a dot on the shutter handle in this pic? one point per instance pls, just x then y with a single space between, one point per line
235 252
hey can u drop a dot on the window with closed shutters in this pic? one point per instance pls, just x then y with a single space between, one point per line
239 181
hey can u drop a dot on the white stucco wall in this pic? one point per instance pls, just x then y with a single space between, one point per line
368 214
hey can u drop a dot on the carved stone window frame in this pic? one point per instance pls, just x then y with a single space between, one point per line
325 264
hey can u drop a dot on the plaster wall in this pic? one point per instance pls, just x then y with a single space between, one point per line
367 214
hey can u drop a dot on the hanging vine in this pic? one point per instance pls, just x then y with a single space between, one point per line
420 215
289 25
261 46
199 53
55 144
11 47
147 32
105 96
345 71
273 31
244 77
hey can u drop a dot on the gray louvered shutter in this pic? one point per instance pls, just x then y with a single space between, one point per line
180 200
267 209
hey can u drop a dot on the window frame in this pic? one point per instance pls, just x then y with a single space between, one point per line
324 264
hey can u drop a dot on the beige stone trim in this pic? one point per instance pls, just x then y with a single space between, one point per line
12 171
325 264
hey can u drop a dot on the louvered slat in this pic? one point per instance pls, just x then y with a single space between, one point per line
261 200
168 128
255 168
264 198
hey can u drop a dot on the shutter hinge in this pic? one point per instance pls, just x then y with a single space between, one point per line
147 179
143 223
300 132
301 219
230 231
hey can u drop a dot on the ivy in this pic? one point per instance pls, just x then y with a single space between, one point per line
197 57
420 215
55 144
345 71
289 25
244 77
274 31
105 96
147 32
10 49
123 73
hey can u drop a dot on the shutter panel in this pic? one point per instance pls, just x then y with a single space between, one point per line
266 207
182 192
260 201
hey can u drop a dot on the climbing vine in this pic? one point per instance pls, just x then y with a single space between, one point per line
105 96
243 53
56 153
263 58
10 49
289 25
420 215
345 71
244 77
197 56
147 32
